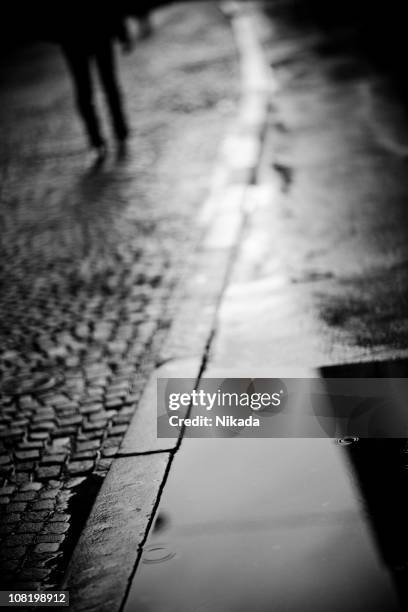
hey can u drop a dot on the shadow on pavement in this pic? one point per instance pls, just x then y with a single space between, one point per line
370 29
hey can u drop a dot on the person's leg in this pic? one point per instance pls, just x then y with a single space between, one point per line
79 65
106 65
145 24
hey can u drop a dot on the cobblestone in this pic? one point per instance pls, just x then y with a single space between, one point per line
90 262
32 486
34 574
13 517
59 517
50 494
46 504
45 473
36 516
15 552
51 538
18 539
58 528
16 507
87 446
46 547
84 455
80 467
56 459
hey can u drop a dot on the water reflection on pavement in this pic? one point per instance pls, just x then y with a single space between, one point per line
261 525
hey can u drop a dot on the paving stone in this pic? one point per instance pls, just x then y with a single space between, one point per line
92 436
80 467
65 413
20 422
117 430
65 494
31 486
39 435
91 408
104 464
86 446
44 473
24 496
68 405
15 552
16 507
29 527
8 565
19 539
84 455
43 414
110 452
111 442
39 516
95 393
57 459
46 547
72 483
99 417
120 419
25 585
114 404
52 538
27 466
49 494
31 445
59 443
34 574
11 518
11 434
6 529
59 517
57 528
128 410
21 477
43 426
66 422
35 560
87 427
64 432
27 455
44 504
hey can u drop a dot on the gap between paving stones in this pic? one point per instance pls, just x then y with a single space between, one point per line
108 552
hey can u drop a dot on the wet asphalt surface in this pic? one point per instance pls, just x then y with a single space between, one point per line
337 161
89 261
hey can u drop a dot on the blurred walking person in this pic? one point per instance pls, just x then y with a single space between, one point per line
86 33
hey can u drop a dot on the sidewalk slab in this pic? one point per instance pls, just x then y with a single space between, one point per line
108 549
141 436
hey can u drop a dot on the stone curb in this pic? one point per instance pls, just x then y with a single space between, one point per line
107 554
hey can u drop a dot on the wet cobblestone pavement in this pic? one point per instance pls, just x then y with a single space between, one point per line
89 262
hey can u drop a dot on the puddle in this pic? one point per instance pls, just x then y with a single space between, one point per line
262 525
392 368
281 525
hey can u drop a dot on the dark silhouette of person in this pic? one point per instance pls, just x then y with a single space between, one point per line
86 32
